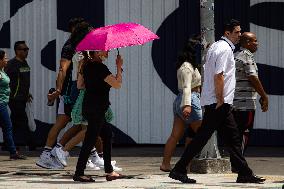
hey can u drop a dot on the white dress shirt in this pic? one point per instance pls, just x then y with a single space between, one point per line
219 58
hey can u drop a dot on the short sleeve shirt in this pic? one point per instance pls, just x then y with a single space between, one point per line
67 52
4 87
97 90
219 58
245 95
19 73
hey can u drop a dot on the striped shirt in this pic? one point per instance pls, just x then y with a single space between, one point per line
245 94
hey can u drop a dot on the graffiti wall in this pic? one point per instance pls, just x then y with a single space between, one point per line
143 106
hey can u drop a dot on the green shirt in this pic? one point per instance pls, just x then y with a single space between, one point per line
4 87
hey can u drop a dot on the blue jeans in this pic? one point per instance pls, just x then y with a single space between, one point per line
6 124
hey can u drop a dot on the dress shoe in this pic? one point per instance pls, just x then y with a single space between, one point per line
261 178
181 177
17 157
250 179
234 170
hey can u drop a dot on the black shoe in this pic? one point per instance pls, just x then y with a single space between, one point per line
261 178
181 177
234 170
250 179
17 157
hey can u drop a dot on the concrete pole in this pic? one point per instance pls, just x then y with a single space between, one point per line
210 150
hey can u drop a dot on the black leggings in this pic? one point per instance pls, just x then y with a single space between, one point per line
96 126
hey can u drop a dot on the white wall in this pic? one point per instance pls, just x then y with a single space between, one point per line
143 106
270 52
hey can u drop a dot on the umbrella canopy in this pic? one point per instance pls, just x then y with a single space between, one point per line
116 36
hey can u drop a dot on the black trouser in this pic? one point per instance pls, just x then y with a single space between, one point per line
222 120
21 132
96 126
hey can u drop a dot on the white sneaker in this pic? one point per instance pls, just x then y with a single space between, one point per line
92 166
47 161
115 168
61 155
98 161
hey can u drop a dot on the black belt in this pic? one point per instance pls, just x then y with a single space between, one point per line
213 106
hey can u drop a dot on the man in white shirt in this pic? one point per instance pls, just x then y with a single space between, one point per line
217 98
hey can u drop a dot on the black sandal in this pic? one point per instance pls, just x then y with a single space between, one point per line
110 177
165 170
80 179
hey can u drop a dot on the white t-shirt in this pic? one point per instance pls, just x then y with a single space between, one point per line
219 58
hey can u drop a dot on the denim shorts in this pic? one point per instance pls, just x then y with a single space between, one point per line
196 111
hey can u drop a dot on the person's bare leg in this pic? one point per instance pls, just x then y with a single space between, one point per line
195 125
187 141
61 122
70 134
79 137
177 133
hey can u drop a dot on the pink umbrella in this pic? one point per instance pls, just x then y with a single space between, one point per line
116 36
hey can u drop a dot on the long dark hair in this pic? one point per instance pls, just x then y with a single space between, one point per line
80 31
2 54
190 52
88 57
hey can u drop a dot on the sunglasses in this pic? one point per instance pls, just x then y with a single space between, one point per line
23 49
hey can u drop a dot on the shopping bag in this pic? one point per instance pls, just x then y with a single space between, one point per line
30 115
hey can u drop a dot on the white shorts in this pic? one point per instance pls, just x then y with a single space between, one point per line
60 110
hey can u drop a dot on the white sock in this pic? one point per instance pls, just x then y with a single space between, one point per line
58 145
94 152
47 150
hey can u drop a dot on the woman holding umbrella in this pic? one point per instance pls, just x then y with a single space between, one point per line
98 81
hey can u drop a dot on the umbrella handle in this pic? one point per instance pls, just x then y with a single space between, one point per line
118 54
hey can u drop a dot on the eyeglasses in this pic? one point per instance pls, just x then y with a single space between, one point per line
23 49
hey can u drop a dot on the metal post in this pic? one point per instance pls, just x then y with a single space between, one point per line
210 150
